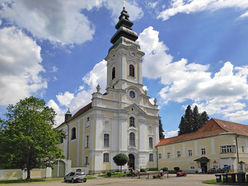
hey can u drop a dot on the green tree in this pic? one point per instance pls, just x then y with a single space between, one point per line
120 159
161 130
192 120
28 139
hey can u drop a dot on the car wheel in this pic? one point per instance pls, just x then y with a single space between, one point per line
84 180
72 180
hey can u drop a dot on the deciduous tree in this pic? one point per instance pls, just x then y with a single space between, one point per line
120 159
28 139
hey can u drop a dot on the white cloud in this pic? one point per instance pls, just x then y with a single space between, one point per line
82 96
224 92
60 21
65 99
187 7
19 69
171 133
54 69
244 15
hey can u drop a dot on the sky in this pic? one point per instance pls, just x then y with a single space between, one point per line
196 53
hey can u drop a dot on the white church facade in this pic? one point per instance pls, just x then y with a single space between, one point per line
122 120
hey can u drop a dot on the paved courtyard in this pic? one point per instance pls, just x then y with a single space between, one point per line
189 180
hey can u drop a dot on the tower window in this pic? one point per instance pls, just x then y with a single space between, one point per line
131 122
132 139
131 70
132 94
73 133
113 73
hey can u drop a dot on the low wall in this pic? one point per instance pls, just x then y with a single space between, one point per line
14 174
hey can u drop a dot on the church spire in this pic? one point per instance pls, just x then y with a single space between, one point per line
124 27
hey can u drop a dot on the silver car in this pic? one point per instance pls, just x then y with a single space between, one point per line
75 177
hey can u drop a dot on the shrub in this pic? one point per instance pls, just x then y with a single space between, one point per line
176 169
109 174
142 170
165 169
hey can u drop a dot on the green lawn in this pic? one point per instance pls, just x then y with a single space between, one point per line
213 181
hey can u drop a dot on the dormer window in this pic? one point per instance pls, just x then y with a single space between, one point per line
131 70
113 73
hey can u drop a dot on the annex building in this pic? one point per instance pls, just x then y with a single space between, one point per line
122 120
218 144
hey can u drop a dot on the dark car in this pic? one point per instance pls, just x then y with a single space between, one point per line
75 177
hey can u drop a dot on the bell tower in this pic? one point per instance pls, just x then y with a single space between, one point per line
124 60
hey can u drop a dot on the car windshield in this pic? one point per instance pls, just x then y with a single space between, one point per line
80 174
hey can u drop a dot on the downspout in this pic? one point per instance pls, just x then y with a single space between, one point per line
237 149
67 153
157 155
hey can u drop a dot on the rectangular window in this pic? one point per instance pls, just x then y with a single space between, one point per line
243 148
106 157
168 155
190 152
150 157
86 160
87 142
159 156
203 151
227 149
178 154
150 142
106 140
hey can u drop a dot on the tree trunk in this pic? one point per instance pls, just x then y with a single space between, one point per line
28 174
121 168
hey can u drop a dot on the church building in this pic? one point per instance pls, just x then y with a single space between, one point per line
122 120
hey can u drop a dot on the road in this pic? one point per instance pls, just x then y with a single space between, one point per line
189 180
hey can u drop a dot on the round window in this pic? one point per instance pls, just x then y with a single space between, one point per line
132 94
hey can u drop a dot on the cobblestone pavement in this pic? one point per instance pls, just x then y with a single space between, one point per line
189 180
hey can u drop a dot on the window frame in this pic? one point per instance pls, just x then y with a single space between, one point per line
73 133
151 142
131 70
132 139
151 159
132 121
113 73
106 157
106 140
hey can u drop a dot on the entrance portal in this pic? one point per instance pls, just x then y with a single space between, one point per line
131 162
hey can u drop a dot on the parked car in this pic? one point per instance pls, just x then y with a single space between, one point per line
75 177
181 173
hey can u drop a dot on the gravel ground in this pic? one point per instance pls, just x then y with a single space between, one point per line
189 180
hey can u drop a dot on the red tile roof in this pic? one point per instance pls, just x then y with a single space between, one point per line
213 127
78 113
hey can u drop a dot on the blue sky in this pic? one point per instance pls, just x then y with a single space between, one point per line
196 53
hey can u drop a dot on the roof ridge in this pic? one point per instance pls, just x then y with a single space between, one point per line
219 124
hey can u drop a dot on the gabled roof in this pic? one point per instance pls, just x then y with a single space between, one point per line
78 113
213 127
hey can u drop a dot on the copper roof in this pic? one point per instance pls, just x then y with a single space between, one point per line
213 127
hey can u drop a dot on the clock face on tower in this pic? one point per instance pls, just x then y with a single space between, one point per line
132 94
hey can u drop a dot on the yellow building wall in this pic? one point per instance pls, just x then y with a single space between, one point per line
185 162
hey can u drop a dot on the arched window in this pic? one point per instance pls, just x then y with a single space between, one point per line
73 133
131 122
113 73
132 139
131 70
